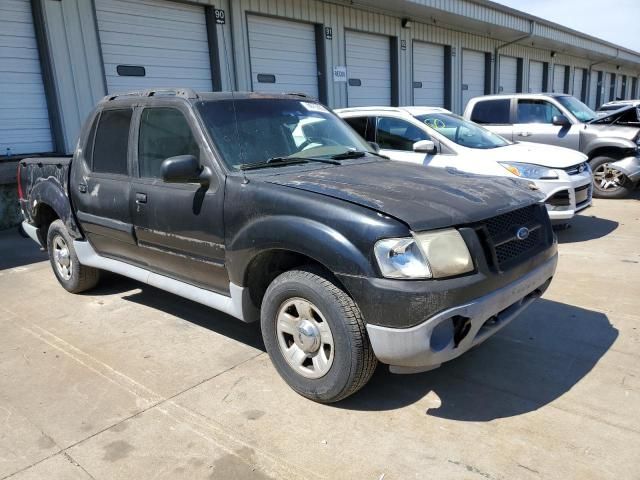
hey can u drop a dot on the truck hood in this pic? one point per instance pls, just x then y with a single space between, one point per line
424 198
535 153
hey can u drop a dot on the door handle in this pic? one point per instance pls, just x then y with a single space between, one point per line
82 188
524 134
141 198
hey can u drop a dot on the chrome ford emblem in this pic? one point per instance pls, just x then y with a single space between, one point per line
522 233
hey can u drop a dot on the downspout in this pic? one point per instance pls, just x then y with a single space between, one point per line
597 63
496 62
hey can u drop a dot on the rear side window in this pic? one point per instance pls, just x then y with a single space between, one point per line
164 133
359 124
536 111
491 112
112 139
397 134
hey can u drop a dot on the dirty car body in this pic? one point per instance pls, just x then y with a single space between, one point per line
227 234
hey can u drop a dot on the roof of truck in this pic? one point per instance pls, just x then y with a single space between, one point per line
190 94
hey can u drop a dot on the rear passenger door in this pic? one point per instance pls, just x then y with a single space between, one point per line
179 227
100 186
534 123
495 115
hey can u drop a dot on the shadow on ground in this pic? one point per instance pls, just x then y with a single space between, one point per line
532 362
17 251
583 228
247 333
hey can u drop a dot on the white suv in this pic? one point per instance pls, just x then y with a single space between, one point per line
436 137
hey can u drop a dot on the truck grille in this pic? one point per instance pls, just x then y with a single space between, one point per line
502 242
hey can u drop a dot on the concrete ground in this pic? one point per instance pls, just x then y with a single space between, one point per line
130 382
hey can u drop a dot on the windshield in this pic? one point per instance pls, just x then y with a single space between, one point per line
276 128
577 108
461 131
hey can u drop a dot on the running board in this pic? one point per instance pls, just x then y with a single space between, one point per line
232 305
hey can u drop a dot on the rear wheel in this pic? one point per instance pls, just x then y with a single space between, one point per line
71 274
315 336
609 182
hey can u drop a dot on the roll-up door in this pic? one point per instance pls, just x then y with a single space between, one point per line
155 43
508 74
473 73
578 75
24 119
368 69
428 74
536 76
283 56
558 78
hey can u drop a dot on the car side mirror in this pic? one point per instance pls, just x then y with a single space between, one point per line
375 146
425 146
184 169
560 121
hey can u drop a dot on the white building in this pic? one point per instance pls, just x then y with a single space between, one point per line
58 57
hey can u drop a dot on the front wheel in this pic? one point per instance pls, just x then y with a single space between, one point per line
609 182
71 274
315 336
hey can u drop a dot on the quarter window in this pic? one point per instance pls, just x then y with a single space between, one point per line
536 111
397 134
111 143
164 133
491 112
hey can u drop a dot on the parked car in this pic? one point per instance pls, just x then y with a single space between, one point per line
438 138
343 256
610 142
615 105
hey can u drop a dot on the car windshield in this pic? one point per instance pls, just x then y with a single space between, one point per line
461 131
252 131
577 108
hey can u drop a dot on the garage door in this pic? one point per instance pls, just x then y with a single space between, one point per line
24 121
472 75
428 74
578 75
508 74
609 79
558 78
536 76
153 43
283 56
368 69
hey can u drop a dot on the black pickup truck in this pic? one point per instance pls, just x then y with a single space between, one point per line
270 208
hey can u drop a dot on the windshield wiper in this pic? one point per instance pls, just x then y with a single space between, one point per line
349 154
273 162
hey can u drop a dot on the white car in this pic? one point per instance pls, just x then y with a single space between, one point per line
436 137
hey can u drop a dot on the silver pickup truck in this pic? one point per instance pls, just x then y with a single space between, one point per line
611 141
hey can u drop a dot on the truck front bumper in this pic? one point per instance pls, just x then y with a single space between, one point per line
452 332
630 166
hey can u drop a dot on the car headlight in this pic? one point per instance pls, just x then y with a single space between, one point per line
528 170
436 254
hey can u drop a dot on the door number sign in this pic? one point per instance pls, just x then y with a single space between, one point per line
220 17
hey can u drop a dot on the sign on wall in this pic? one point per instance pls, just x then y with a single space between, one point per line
340 74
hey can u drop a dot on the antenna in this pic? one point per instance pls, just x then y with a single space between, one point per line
245 180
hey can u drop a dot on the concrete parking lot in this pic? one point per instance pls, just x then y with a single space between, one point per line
130 382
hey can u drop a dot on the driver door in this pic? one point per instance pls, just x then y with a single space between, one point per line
534 124
396 137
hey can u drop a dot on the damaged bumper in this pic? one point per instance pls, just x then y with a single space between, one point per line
568 195
630 166
452 332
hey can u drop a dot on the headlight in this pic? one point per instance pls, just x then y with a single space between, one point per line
527 170
425 255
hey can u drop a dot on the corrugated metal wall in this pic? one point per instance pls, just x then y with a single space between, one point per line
79 77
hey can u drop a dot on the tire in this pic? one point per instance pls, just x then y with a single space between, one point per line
308 303
72 275
608 182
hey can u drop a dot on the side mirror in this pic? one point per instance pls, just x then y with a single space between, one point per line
425 146
560 121
183 169
375 146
